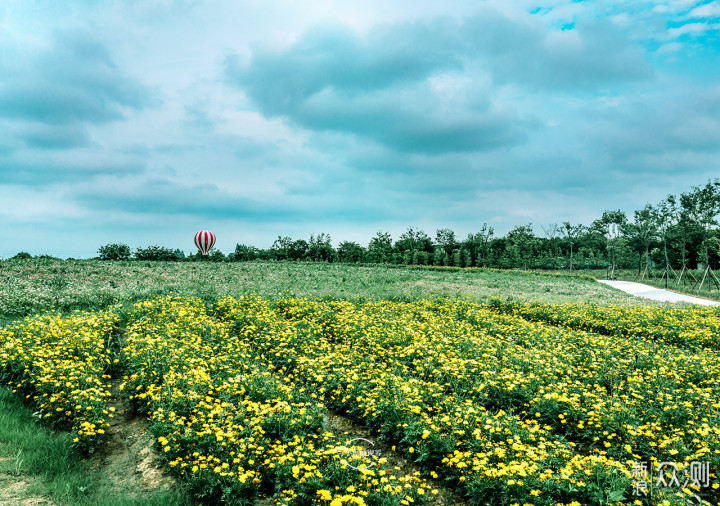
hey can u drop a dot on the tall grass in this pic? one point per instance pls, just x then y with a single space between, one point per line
30 286
45 460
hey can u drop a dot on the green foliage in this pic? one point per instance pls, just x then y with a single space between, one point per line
320 249
22 255
244 253
157 254
114 252
379 248
414 240
350 252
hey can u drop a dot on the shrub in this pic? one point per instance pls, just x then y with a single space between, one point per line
22 254
217 256
156 253
114 252
244 253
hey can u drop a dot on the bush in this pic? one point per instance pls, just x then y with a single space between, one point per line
217 256
244 253
156 253
22 254
114 252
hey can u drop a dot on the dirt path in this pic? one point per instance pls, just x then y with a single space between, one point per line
14 485
128 457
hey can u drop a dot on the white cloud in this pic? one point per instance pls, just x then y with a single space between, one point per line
710 10
693 29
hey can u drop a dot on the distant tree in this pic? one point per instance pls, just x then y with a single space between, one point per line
483 239
673 232
265 254
297 249
467 258
379 248
445 238
156 253
216 255
438 255
613 224
350 252
320 249
522 242
571 234
552 233
281 248
457 258
642 232
702 205
244 253
414 240
114 252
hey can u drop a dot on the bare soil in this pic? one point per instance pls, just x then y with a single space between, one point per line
128 456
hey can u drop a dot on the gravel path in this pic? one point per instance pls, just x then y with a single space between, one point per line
650 292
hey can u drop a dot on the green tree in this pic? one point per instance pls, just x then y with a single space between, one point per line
379 248
297 250
156 253
613 224
114 252
413 240
244 253
480 245
571 234
350 252
281 247
445 238
702 205
457 258
320 249
642 232
216 255
438 253
522 243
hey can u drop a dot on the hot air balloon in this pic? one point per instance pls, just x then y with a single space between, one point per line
204 240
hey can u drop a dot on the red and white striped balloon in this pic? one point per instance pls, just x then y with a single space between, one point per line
204 240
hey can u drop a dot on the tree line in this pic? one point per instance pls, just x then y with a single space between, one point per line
680 231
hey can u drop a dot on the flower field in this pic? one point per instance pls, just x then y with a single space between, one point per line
504 403
62 365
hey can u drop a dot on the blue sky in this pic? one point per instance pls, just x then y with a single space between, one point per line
143 121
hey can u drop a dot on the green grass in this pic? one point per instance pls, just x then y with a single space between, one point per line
33 286
36 462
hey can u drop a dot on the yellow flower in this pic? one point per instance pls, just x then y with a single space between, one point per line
324 495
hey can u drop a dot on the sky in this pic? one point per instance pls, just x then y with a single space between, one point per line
143 121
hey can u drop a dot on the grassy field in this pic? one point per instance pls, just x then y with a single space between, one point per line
243 383
30 286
